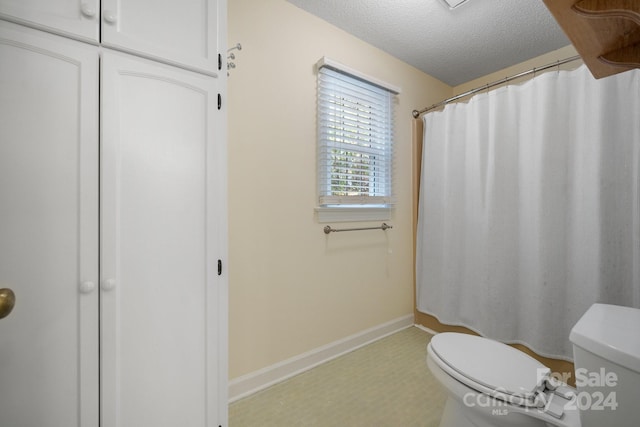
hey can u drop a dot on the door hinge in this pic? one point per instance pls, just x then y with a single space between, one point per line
219 62
219 267
219 101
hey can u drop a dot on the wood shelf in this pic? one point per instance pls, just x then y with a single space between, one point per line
627 9
606 33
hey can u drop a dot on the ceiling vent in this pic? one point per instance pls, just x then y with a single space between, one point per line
452 4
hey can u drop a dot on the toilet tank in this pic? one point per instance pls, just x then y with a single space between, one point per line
606 351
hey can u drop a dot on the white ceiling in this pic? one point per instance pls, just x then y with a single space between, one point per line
455 46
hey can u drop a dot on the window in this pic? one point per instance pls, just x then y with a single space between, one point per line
355 142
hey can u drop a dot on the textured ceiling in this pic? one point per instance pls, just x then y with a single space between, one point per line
455 46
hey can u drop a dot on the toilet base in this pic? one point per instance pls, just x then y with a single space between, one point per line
453 415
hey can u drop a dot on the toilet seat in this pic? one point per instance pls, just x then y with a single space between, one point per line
499 371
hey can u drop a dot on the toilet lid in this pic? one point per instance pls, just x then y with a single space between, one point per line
490 363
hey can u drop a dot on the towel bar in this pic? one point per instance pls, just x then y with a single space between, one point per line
328 228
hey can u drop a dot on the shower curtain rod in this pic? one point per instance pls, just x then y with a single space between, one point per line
417 113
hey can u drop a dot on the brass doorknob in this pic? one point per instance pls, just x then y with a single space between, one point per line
7 301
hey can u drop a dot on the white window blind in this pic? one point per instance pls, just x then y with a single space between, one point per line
355 140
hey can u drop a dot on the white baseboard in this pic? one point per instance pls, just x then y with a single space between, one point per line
427 330
248 384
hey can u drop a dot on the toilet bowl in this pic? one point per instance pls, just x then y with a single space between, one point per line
490 384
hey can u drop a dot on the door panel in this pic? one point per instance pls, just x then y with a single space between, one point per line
74 18
159 292
48 229
182 32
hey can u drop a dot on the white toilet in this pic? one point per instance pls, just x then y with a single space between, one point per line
491 384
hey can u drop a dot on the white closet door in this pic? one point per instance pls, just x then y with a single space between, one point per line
73 18
159 246
48 229
183 32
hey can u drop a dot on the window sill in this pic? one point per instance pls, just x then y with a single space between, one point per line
353 213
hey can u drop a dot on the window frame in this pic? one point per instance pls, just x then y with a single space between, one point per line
332 208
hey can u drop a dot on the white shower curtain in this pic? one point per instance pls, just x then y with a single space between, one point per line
529 207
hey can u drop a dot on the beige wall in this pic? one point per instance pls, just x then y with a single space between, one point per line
293 289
